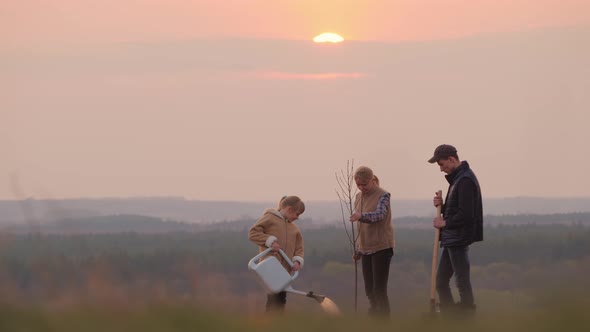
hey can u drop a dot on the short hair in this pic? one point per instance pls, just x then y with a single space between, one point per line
292 201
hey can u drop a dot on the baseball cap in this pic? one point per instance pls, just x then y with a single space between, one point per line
442 151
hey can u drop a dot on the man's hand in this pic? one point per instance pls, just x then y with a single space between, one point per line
437 200
275 246
355 216
438 222
296 266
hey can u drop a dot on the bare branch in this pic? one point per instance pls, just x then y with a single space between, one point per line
346 193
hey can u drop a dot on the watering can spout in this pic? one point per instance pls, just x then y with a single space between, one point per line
319 298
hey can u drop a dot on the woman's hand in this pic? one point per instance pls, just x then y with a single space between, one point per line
296 267
356 256
355 216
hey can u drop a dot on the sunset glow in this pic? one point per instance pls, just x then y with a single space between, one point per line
277 75
328 37
253 100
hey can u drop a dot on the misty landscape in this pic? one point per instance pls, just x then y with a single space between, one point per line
105 252
193 211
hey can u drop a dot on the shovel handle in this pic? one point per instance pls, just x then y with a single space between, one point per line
254 261
435 259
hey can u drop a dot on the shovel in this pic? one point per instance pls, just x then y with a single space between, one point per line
434 307
275 278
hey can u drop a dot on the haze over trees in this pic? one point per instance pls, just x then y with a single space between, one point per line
140 259
194 211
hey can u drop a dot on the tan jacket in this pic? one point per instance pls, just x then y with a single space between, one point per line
271 227
378 235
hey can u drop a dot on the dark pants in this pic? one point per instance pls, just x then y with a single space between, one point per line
454 261
376 275
276 302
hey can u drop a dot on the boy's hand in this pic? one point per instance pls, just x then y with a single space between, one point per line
275 246
296 267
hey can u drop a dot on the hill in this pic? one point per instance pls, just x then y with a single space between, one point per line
33 211
127 223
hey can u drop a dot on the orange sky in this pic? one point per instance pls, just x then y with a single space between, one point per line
32 24
145 98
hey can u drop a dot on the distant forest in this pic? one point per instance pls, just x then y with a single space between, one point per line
146 224
317 212
135 258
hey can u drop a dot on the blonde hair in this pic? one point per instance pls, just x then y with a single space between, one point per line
366 174
292 201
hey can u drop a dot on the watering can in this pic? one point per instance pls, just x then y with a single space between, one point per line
274 277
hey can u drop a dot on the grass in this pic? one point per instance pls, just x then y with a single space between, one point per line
172 317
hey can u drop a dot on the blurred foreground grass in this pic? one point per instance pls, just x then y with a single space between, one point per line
162 318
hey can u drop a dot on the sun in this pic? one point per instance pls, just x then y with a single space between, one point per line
328 37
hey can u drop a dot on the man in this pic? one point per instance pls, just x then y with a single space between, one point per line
460 226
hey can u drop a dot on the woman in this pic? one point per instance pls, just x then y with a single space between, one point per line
375 241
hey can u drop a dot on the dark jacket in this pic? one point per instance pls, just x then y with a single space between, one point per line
462 211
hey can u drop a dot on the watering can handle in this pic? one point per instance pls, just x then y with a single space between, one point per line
254 261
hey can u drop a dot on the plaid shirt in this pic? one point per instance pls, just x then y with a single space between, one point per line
380 213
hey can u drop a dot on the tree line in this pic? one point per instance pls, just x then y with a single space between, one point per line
203 264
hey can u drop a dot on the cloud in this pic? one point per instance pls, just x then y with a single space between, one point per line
281 75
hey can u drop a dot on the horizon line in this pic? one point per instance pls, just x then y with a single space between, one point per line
183 198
